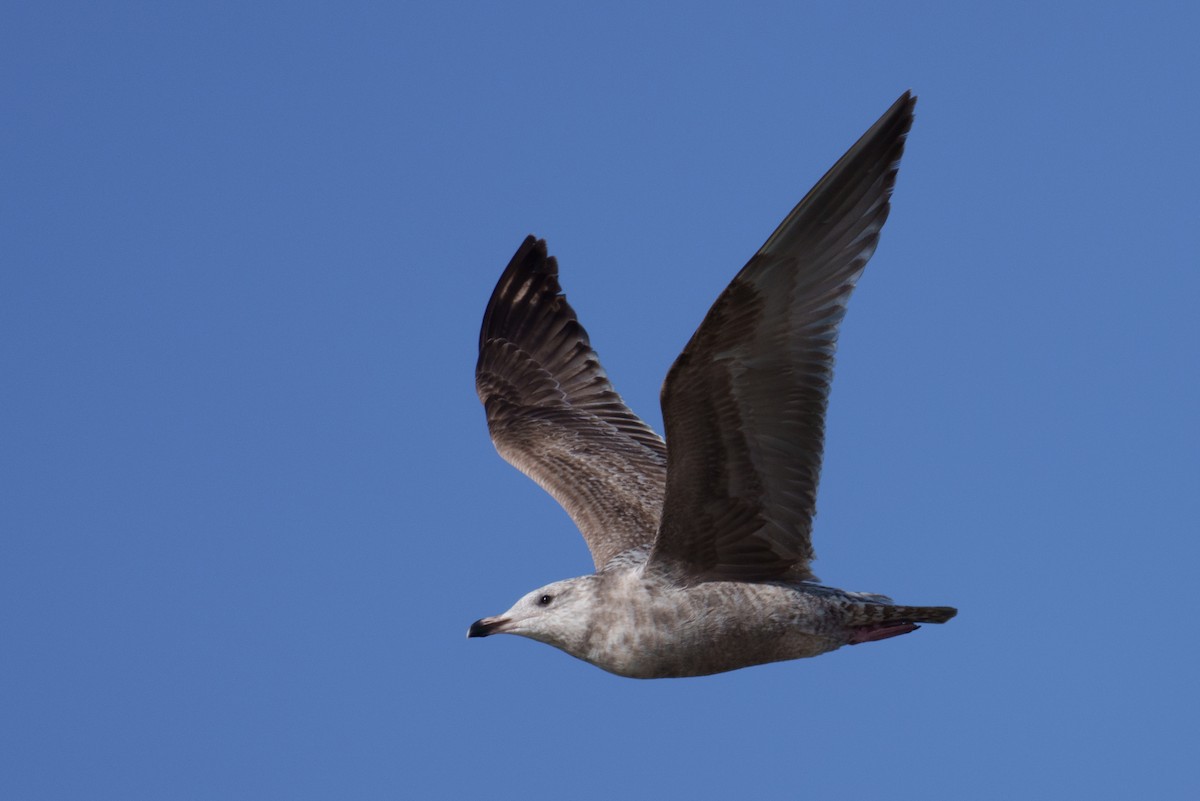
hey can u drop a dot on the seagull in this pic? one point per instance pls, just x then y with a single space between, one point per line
702 543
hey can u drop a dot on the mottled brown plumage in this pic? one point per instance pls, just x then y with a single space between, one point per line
553 414
702 551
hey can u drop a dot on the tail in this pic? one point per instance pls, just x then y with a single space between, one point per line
872 622
919 614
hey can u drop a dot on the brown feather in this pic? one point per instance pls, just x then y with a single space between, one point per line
553 414
744 404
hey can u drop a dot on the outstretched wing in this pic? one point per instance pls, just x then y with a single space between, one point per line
744 404
554 415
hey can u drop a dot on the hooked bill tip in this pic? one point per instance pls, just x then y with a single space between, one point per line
485 626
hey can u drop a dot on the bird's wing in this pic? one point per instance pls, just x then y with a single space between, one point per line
553 414
744 404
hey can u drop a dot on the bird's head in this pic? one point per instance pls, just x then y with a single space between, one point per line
559 614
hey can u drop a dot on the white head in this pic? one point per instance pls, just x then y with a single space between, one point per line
559 614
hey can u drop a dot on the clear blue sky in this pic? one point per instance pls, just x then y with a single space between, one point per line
248 505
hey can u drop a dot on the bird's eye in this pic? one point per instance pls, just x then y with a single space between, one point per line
545 600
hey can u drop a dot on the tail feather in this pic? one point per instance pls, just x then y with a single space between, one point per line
868 614
879 621
922 614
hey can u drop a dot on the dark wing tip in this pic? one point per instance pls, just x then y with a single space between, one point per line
529 265
874 157
903 107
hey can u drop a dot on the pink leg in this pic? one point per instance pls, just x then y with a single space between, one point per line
880 632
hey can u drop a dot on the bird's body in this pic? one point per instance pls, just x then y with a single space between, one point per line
702 551
643 627
648 628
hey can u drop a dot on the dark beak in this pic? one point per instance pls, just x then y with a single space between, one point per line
485 626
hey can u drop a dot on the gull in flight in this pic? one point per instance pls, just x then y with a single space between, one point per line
702 543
